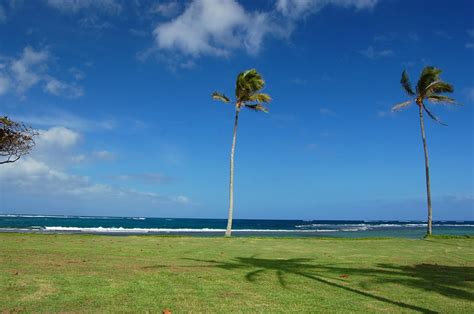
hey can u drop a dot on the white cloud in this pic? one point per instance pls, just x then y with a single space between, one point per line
386 37
296 9
51 152
66 119
77 74
58 136
147 177
373 53
90 11
138 33
3 15
181 199
40 181
470 34
73 6
443 34
36 176
220 27
43 176
27 167
29 69
89 189
4 84
94 22
213 27
78 158
167 9
58 88
104 155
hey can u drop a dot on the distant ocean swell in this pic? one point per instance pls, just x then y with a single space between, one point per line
159 230
384 225
211 227
336 228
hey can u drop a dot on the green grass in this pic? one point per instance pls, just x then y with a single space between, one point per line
448 236
52 273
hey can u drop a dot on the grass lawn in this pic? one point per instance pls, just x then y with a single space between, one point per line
52 273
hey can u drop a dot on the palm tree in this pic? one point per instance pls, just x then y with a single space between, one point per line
247 94
429 87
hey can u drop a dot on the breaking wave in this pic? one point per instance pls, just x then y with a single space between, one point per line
165 230
360 227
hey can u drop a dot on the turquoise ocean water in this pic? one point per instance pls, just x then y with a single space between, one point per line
216 227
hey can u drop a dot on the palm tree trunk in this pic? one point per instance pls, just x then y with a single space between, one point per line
228 231
427 169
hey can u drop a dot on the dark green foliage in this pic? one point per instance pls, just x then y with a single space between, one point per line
257 107
247 89
429 87
448 236
219 96
429 75
406 84
441 99
248 84
432 116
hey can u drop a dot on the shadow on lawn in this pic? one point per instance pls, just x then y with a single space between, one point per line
445 280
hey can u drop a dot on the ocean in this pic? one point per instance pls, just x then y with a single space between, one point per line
216 227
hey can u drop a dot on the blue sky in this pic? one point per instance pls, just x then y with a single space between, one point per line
120 94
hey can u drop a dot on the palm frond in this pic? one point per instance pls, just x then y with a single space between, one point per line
220 96
406 84
257 107
427 88
248 83
442 99
429 75
401 105
432 116
439 87
261 97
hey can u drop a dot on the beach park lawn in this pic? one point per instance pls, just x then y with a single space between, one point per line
71 273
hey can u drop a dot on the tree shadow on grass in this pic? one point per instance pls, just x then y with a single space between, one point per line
445 280
450 281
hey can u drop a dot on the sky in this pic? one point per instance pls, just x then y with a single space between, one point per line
120 94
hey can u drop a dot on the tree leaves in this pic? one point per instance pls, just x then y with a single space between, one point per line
406 84
438 87
220 96
432 116
16 140
262 97
429 87
429 75
401 105
247 84
442 99
257 107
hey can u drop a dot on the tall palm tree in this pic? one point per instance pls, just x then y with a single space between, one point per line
429 87
247 94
